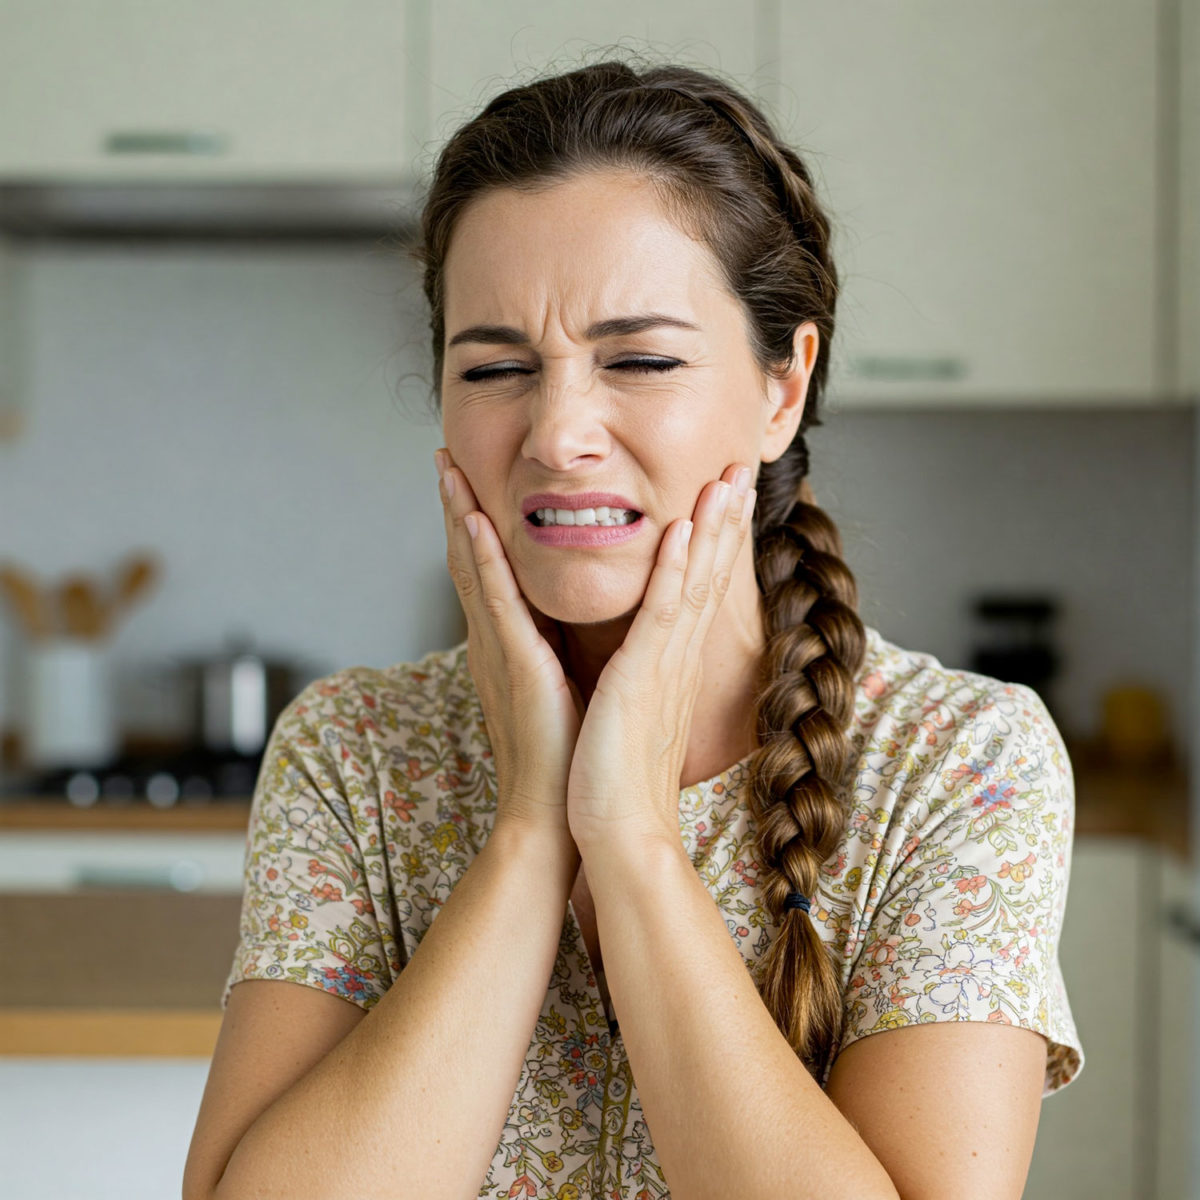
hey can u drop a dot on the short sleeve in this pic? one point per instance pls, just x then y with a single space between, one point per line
307 915
968 925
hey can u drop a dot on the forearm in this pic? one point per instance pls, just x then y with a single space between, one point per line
413 1101
730 1107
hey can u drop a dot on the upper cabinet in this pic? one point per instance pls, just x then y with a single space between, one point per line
479 48
994 174
1014 188
124 90
1188 209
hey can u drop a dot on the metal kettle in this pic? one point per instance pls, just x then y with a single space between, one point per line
235 697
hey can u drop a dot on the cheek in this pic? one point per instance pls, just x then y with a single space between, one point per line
483 456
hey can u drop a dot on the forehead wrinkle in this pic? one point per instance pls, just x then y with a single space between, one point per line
579 279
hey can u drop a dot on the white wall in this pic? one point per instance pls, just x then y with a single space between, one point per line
1094 506
250 414
258 416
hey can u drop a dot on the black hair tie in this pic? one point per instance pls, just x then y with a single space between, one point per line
797 900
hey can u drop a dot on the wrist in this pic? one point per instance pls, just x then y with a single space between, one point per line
544 842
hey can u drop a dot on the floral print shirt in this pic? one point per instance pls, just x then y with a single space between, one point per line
943 901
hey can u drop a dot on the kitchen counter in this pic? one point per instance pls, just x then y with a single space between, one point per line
140 971
1151 802
47 813
115 972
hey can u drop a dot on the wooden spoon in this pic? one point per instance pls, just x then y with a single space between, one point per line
135 577
82 607
25 598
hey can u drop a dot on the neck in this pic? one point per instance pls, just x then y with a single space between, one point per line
589 647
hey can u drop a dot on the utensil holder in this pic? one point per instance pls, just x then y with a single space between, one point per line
69 717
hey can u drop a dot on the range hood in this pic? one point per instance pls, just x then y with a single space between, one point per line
223 211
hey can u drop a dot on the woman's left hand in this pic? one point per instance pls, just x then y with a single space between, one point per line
629 755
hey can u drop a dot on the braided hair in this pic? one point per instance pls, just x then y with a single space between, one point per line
723 174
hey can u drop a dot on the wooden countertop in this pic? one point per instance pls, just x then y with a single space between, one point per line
145 971
49 813
1149 801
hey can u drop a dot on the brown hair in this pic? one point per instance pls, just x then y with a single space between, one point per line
723 173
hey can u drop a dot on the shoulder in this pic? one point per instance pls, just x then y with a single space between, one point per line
358 733
930 736
351 708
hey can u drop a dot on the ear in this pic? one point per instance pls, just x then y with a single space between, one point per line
786 397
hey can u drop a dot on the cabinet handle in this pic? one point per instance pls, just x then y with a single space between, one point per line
1184 922
166 141
182 876
901 368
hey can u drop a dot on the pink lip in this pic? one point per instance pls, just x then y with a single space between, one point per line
583 535
577 500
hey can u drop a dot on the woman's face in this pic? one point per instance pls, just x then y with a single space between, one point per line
573 417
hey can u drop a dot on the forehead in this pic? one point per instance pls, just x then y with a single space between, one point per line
597 244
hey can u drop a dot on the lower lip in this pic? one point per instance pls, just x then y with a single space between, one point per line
582 535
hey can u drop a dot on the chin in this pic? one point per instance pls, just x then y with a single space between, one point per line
583 609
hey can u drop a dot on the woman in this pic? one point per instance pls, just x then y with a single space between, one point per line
775 833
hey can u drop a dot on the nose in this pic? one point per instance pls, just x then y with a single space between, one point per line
566 421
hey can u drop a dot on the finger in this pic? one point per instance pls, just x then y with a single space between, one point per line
734 530
458 500
662 611
501 600
722 521
481 570
712 525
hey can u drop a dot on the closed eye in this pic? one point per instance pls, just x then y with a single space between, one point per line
476 374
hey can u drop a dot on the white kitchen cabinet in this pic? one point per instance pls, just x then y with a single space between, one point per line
512 40
1122 1128
55 862
98 1128
992 174
1174 1122
206 90
1188 216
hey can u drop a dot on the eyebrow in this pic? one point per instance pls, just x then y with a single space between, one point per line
507 335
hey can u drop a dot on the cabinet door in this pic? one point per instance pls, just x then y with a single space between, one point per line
1189 202
510 41
1174 1120
1091 1137
991 173
202 89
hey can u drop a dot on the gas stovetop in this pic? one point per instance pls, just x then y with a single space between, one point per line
164 780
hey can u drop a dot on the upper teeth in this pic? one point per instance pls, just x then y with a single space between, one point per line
586 516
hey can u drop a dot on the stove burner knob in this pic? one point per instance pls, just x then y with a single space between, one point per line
83 789
118 787
162 789
196 787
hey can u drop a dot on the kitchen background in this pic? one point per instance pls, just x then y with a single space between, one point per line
214 352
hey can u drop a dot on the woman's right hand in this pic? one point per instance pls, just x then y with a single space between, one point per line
532 710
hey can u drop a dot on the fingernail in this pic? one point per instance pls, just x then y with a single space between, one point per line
741 480
448 479
723 493
439 462
472 524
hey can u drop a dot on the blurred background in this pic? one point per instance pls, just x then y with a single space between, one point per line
216 478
